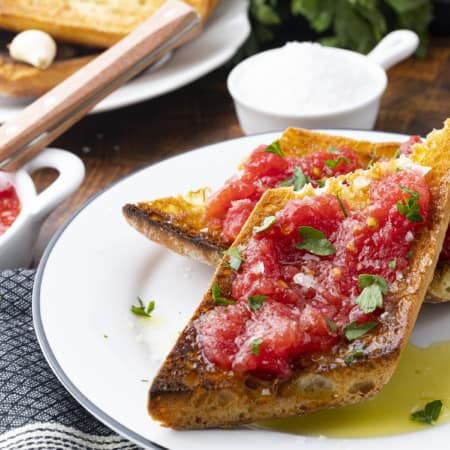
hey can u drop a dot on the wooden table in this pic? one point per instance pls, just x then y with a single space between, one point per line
117 143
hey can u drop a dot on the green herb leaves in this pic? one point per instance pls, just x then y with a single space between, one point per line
371 297
331 324
267 223
357 352
255 302
218 297
354 330
411 208
233 258
141 309
341 205
315 242
429 414
275 148
298 180
256 342
332 163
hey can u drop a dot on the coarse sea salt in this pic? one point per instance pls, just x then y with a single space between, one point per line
306 79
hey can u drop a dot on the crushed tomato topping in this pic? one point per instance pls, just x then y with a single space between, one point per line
309 300
9 208
229 207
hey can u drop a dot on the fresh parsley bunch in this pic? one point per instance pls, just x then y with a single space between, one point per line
353 24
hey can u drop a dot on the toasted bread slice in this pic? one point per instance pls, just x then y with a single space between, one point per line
190 392
22 80
87 22
178 224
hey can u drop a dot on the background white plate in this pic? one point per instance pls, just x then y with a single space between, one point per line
224 33
96 266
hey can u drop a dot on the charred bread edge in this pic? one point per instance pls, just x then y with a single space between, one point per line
198 247
188 392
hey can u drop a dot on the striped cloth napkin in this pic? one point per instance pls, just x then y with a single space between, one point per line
36 412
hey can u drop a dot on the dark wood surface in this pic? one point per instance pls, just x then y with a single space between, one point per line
117 143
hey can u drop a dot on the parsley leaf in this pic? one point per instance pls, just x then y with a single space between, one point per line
333 150
411 208
275 148
298 180
353 330
234 259
267 223
341 205
332 163
410 254
397 154
256 343
392 263
218 297
331 324
429 414
371 297
315 242
357 352
255 302
141 310
321 183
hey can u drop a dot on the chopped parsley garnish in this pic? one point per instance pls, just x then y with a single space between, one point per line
397 154
371 297
332 163
354 330
410 254
341 205
274 147
267 223
315 242
371 163
411 208
357 352
218 297
321 183
331 324
255 346
429 414
298 180
142 310
392 263
233 258
105 336
333 150
255 302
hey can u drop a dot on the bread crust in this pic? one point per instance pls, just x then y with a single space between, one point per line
189 392
91 23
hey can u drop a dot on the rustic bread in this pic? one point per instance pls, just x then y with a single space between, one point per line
177 222
190 392
87 22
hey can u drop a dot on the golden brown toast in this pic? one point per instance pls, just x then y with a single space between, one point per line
88 22
190 392
178 223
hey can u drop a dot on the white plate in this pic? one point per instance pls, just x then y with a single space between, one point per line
96 266
224 33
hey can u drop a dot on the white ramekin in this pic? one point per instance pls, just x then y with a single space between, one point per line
395 47
17 243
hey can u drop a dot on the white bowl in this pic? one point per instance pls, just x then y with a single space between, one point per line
358 113
17 243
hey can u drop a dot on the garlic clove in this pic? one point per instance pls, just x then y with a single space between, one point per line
33 47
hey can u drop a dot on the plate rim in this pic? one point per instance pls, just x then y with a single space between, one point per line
44 344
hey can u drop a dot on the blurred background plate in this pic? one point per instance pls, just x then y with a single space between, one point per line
223 34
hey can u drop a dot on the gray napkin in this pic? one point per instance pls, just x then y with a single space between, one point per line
36 412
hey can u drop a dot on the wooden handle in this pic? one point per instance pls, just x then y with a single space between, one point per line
49 116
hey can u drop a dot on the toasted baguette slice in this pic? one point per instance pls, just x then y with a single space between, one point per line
177 222
87 22
22 80
189 392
